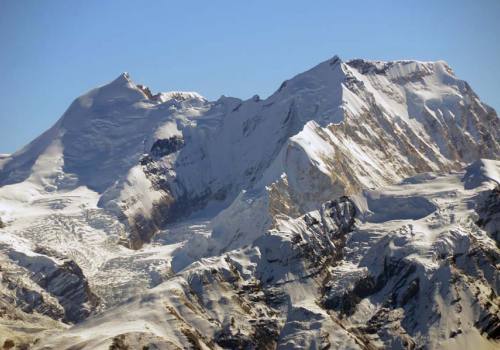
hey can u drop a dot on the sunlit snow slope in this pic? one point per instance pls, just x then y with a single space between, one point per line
168 219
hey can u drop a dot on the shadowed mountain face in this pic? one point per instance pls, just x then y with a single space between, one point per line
130 188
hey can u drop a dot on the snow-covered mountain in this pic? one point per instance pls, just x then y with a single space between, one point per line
337 212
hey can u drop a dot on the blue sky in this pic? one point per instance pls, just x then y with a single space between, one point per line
52 51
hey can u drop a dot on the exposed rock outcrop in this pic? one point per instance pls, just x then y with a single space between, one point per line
63 280
489 213
163 147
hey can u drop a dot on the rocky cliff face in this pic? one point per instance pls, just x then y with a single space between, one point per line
261 223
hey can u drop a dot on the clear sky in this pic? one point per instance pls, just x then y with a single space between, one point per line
52 51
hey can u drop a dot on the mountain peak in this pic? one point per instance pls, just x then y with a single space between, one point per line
335 60
122 79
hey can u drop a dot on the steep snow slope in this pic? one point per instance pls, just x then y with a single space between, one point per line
194 180
334 129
